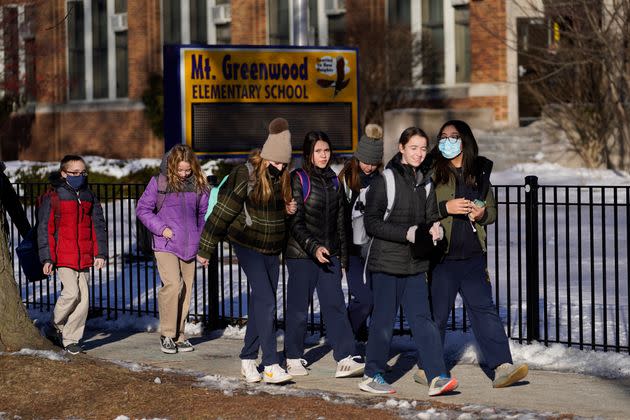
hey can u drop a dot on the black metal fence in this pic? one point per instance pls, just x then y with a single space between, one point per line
557 258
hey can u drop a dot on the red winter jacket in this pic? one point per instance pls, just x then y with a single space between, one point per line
71 228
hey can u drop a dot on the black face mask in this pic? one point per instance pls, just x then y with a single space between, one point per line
275 172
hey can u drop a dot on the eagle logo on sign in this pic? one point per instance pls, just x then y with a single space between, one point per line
339 83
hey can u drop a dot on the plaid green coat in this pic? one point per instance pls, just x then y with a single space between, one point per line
266 233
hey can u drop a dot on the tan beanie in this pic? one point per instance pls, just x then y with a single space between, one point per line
277 148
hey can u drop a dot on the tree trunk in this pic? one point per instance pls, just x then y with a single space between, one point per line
16 328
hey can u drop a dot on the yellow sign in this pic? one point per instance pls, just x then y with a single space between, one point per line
269 76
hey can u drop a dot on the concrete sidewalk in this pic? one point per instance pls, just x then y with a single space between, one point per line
542 391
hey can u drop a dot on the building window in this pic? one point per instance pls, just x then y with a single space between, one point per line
122 54
98 60
11 53
172 21
222 28
313 22
99 48
76 50
198 21
337 30
399 13
279 24
462 44
433 42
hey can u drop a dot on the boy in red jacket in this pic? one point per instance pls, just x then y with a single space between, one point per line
72 236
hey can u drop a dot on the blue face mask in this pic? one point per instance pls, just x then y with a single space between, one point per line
450 147
76 182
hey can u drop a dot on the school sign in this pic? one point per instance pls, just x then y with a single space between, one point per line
220 100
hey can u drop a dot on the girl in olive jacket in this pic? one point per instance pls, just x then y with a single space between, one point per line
466 205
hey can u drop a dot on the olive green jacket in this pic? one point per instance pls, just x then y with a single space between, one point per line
445 192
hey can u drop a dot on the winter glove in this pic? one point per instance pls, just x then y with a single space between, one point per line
411 234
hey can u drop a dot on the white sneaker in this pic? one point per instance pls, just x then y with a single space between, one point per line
297 367
249 369
349 367
274 374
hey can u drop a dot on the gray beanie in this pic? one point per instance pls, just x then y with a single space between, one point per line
370 148
277 148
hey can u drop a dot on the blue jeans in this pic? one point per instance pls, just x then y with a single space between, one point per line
412 293
469 278
305 275
262 272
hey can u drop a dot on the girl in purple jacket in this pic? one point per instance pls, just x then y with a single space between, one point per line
173 207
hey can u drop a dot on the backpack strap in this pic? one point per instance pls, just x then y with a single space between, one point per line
162 184
390 190
250 187
335 182
305 181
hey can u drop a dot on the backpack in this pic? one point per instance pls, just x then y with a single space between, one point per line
359 234
28 249
214 194
305 181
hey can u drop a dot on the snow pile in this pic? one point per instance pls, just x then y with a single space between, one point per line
57 356
553 174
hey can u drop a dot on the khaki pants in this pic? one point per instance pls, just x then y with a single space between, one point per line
72 306
174 296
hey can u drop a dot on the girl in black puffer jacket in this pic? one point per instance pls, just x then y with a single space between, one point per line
315 254
398 277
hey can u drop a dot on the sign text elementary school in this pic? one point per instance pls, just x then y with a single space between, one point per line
220 100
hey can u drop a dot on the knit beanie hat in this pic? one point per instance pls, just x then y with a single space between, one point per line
370 148
277 148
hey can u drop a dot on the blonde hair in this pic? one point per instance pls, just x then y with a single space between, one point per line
183 153
263 189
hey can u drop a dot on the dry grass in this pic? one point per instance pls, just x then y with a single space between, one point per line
33 387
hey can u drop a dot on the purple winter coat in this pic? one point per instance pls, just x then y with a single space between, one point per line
182 212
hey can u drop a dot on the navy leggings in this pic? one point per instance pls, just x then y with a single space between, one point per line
469 278
360 299
305 275
412 293
262 273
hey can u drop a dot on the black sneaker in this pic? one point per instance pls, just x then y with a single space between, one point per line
74 348
168 345
184 346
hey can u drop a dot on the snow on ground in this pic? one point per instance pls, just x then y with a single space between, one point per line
58 356
553 174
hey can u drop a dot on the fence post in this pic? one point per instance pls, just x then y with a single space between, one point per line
213 291
532 258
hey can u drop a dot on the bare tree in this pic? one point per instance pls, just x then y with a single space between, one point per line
16 328
387 56
582 78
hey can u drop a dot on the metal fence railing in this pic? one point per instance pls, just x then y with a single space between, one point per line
557 258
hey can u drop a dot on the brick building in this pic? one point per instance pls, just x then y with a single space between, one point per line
80 67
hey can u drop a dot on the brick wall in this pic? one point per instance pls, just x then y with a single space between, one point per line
115 134
488 32
249 22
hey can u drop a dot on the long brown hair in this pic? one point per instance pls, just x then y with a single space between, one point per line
183 153
350 175
263 187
